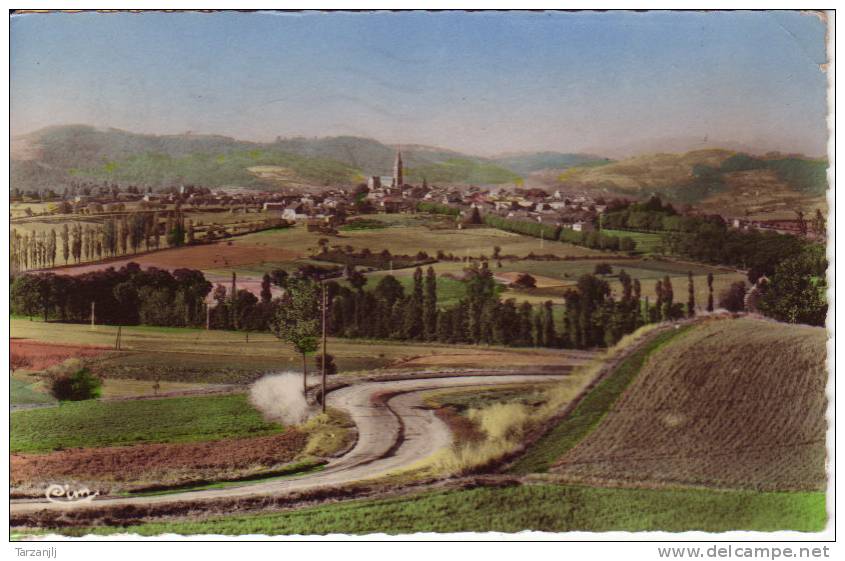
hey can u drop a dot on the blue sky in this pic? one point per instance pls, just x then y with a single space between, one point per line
485 83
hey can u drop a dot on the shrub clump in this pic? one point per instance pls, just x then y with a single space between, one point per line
78 385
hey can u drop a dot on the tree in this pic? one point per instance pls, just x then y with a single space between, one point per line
475 216
549 332
76 386
297 319
603 269
430 305
24 295
65 242
690 295
266 294
331 367
709 292
733 298
176 232
819 224
796 291
414 325
524 280
668 298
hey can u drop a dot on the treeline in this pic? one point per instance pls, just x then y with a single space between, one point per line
591 239
793 268
121 235
132 296
125 296
592 317
115 236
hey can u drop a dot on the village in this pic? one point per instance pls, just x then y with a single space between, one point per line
329 208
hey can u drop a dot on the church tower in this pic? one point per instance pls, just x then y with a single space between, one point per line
398 179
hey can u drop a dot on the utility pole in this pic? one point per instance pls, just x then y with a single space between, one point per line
324 346
207 317
117 339
92 315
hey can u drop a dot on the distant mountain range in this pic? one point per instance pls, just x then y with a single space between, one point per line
717 179
53 156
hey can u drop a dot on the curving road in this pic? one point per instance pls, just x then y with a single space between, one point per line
393 433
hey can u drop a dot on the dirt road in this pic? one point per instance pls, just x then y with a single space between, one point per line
393 433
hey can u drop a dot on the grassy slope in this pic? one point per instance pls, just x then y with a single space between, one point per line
537 507
589 413
218 169
99 423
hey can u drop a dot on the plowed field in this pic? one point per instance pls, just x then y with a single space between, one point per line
733 403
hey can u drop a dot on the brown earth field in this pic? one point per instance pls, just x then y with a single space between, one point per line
138 466
730 404
37 355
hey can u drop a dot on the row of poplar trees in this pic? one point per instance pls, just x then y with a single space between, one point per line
592 317
77 242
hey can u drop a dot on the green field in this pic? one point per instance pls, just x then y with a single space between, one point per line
589 413
550 508
419 233
21 392
109 423
647 242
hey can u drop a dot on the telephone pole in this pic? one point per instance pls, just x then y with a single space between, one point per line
92 315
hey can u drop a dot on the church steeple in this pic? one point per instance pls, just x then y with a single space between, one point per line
398 179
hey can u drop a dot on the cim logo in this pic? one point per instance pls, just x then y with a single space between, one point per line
63 494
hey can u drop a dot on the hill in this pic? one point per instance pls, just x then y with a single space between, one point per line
52 156
462 170
730 404
714 180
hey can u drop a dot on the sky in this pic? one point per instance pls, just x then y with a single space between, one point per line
483 83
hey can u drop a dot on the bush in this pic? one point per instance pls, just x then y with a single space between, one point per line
733 299
603 269
76 386
524 280
331 367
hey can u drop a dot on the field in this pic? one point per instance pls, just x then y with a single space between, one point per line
550 508
589 413
646 242
156 465
224 357
35 355
110 423
731 404
252 255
